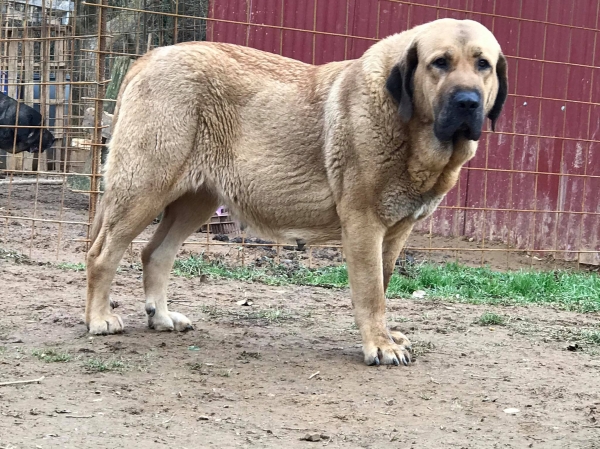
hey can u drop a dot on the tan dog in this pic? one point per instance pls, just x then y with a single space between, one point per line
358 149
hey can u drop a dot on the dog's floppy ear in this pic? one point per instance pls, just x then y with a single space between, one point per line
400 83
501 71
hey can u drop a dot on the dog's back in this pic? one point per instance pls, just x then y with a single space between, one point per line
225 113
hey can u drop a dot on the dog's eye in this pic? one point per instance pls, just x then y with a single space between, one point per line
440 63
483 64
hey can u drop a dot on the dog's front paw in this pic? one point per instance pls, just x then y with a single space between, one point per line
387 349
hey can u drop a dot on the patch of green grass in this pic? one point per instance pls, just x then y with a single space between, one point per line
250 355
224 372
331 277
269 315
212 311
491 319
99 366
51 356
196 366
576 335
420 348
15 256
575 291
591 336
78 182
209 369
71 266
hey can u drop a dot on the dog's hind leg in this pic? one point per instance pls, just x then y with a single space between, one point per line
121 220
182 217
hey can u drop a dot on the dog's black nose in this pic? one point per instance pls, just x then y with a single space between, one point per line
467 100
460 116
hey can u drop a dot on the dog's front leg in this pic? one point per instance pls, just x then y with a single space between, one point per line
362 239
392 245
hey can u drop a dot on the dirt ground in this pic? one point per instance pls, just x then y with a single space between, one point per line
270 374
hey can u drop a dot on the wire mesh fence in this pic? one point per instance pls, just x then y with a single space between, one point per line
529 198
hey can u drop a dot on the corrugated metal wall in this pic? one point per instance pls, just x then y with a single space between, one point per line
535 183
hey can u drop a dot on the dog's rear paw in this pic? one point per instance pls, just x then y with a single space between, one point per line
181 322
400 339
171 321
387 350
107 324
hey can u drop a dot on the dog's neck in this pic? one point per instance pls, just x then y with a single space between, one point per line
433 158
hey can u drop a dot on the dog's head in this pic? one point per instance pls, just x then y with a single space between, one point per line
453 74
28 139
48 140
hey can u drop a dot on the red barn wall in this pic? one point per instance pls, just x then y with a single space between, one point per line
535 183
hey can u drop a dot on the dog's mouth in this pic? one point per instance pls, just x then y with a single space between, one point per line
466 132
452 129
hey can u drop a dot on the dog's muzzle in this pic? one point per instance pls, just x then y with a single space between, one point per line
461 116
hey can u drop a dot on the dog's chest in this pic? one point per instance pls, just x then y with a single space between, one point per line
399 204
411 194
417 191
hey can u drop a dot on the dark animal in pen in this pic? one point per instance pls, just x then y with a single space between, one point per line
28 139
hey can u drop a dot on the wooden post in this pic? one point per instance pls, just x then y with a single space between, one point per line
59 99
27 89
13 57
14 161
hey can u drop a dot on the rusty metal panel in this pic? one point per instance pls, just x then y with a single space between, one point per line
299 15
266 12
419 14
393 18
225 12
332 18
